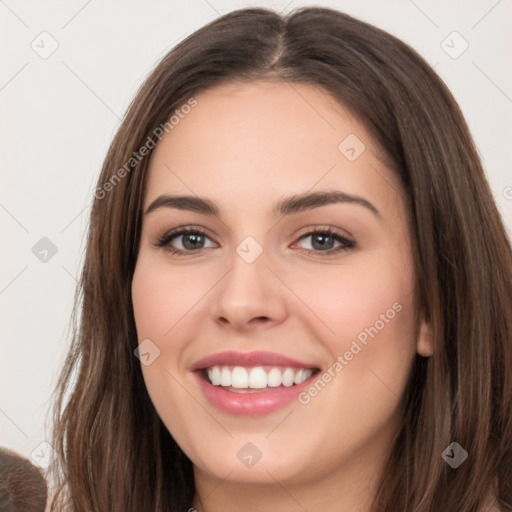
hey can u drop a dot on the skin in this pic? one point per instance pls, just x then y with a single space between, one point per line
245 147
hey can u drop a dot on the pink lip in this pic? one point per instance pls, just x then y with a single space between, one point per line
248 359
249 404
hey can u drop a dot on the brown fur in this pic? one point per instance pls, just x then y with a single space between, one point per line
22 485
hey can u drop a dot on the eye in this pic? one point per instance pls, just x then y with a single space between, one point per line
323 240
191 240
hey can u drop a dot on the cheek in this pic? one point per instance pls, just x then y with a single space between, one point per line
162 303
162 296
371 290
365 311
367 314
168 304
158 300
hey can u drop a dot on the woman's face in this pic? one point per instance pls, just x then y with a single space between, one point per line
253 286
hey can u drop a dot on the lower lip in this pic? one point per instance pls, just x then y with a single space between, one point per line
250 404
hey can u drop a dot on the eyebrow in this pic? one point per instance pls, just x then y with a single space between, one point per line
287 206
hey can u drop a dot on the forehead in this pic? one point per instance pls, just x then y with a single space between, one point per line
266 137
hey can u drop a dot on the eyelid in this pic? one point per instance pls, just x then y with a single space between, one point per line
325 228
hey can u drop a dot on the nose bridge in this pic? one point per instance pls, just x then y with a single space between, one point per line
249 290
247 279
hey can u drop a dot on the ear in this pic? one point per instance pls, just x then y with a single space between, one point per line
425 342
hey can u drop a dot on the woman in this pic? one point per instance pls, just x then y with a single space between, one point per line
297 288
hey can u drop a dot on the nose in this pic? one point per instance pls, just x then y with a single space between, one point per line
250 295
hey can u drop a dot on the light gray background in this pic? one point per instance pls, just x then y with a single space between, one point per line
59 114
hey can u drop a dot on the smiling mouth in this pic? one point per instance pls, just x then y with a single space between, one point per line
256 379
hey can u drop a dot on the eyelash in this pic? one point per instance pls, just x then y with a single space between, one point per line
164 241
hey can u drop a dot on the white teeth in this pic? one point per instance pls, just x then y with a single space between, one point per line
214 375
288 377
225 378
274 378
257 377
239 377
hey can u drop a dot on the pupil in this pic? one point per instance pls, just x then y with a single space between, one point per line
195 240
322 238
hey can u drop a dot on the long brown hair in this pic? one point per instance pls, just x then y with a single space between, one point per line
114 452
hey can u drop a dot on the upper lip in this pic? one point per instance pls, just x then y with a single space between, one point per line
232 358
